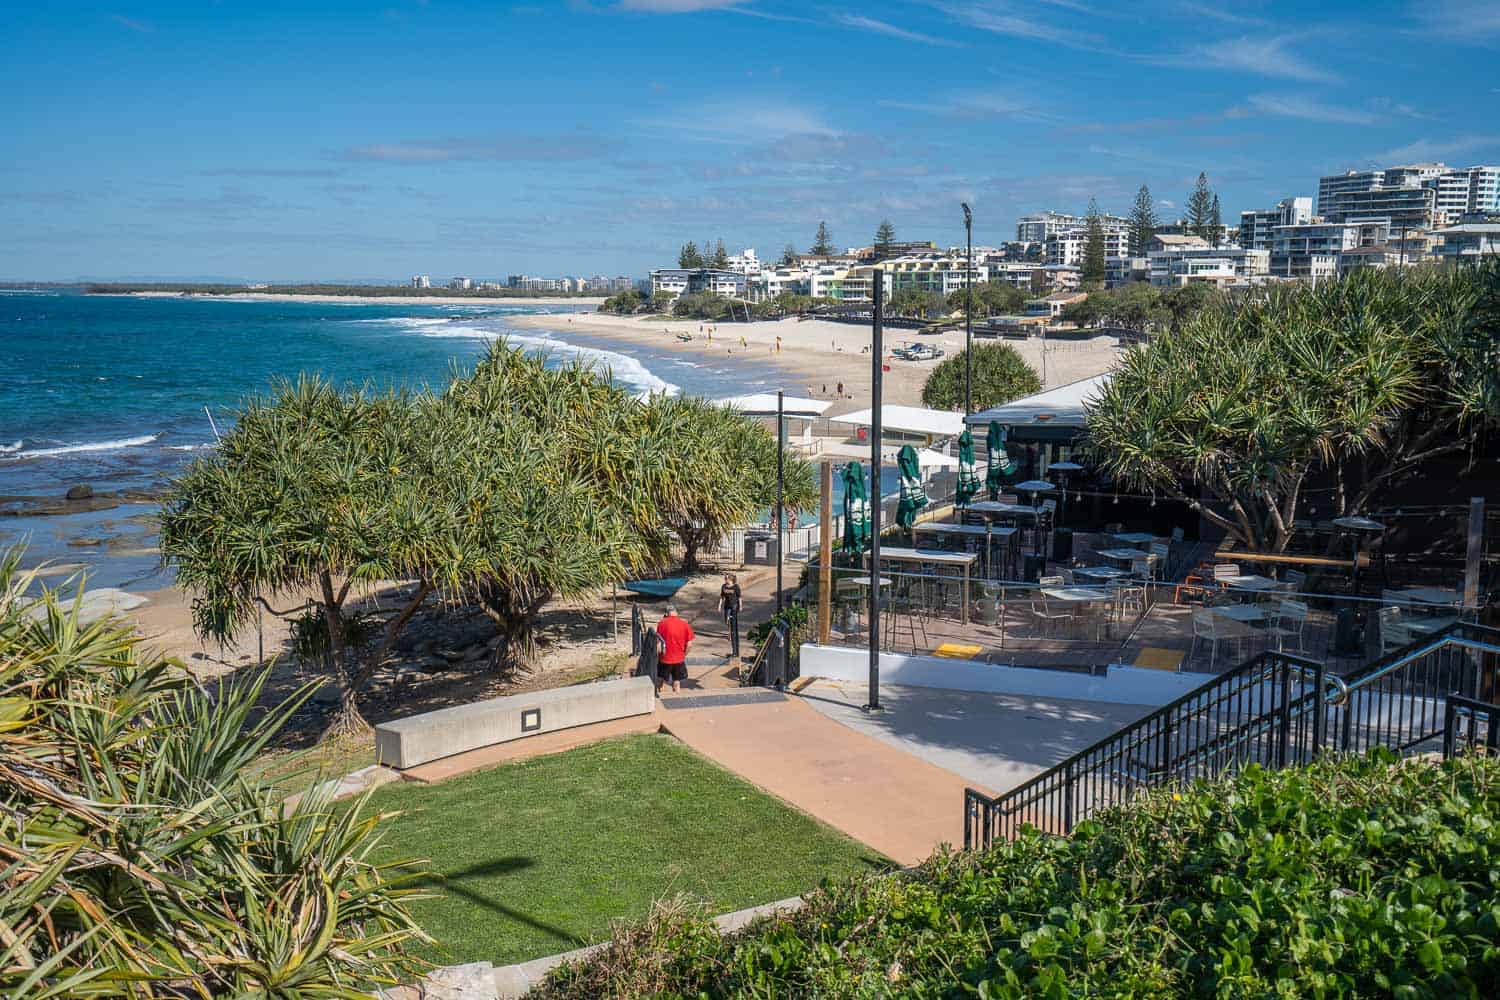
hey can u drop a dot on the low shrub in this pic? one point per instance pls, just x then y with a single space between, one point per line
1352 877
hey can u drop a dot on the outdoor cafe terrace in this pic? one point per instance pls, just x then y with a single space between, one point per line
970 585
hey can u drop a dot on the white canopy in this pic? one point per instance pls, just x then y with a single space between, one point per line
1065 406
908 420
763 404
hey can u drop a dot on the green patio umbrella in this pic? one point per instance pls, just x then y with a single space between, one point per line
968 479
913 497
856 509
1000 467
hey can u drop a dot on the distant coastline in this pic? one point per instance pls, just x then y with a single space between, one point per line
366 299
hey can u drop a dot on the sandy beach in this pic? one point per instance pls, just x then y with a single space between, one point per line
819 354
590 302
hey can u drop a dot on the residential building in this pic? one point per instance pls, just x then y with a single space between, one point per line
745 262
771 282
894 249
826 281
1060 277
1468 242
942 275
1019 274
1379 258
857 286
1211 265
1068 247
421 281
1256 225
461 284
1036 228
1123 270
1310 250
1166 242
1051 306
1416 196
698 280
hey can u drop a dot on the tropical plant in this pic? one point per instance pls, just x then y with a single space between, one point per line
139 854
1352 877
991 298
1000 375
1360 380
728 464
624 303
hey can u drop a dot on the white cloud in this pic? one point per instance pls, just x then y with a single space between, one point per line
1296 106
1473 21
979 106
1002 19
1425 149
677 6
1263 56
863 23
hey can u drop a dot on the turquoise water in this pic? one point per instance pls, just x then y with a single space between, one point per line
111 391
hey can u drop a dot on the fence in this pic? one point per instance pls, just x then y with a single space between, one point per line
1276 710
1470 724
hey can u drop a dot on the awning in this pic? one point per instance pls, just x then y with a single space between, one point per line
1065 406
908 420
763 404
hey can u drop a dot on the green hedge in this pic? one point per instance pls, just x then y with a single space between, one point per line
1354 877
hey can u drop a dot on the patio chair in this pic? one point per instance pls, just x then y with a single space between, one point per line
1213 629
1289 624
1128 595
1393 631
1295 580
1160 555
1050 614
1223 571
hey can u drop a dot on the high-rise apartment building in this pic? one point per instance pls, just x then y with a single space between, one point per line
1036 228
1257 225
1414 196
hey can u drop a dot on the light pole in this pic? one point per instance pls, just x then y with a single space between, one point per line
780 489
876 350
968 311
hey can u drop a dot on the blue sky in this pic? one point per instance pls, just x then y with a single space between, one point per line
354 140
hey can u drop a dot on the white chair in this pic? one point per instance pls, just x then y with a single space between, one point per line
1044 609
1129 595
1288 624
1393 631
1224 571
1215 629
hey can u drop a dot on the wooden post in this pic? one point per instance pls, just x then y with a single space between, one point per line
825 555
1475 553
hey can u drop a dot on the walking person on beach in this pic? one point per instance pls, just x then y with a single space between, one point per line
676 636
729 606
841 390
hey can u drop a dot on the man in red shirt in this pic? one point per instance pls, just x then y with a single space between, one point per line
676 636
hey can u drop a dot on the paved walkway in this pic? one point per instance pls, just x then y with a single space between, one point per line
996 741
894 801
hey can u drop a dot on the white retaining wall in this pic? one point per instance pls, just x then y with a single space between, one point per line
431 736
1120 685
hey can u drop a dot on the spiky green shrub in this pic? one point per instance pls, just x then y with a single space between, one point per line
1360 877
138 858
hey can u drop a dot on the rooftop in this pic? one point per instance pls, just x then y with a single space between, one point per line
1064 406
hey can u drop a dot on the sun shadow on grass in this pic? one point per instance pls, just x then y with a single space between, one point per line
450 884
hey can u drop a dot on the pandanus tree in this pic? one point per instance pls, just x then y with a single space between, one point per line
140 856
524 482
1358 381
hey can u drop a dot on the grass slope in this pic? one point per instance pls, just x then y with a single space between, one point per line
543 855
1363 877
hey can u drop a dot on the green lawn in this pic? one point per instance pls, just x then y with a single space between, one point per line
540 856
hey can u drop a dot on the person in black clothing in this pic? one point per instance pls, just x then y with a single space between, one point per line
729 606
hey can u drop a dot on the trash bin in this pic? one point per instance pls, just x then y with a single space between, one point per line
760 549
1062 544
1349 633
1035 565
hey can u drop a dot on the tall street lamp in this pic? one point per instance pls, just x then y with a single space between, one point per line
968 311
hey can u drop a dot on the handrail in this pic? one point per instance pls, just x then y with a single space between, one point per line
1207 705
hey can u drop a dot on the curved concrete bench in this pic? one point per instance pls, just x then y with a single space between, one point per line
431 736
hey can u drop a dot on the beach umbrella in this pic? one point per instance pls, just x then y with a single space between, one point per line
999 461
856 509
968 479
913 497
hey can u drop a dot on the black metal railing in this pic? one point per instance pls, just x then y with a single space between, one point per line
1469 724
773 665
1276 710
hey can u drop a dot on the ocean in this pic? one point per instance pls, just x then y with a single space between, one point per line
116 392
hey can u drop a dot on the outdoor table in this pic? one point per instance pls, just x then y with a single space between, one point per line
1008 536
863 582
1122 555
1100 572
1429 595
1245 613
1134 537
1080 595
1000 508
1426 626
938 557
1249 581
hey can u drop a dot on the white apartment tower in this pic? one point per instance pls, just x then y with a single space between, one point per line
1257 225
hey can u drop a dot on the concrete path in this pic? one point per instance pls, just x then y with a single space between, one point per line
995 741
892 800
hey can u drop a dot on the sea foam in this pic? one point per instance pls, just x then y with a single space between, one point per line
70 449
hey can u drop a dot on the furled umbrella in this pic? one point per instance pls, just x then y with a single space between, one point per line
968 478
999 460
913 497
856 509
